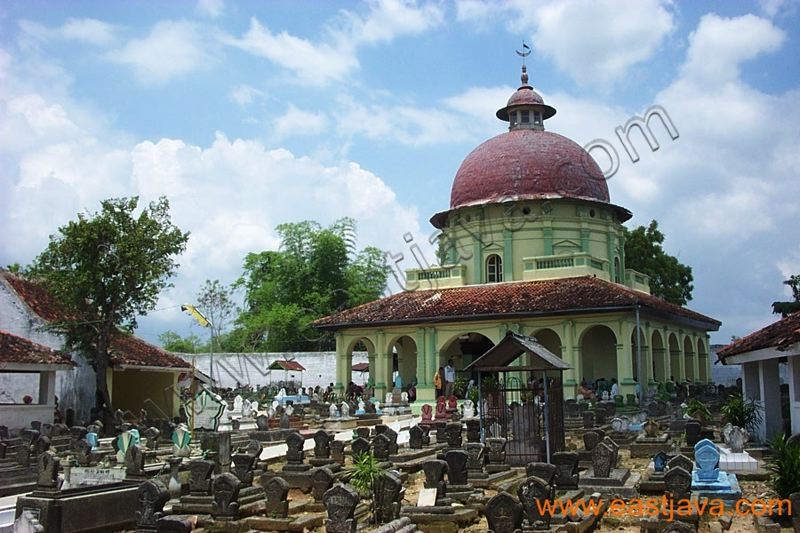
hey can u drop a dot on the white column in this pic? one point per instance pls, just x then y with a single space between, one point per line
751 389
770 381
794 385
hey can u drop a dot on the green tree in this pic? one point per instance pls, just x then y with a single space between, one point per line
669 278
108 268
787 308
173 342
317 271
215 301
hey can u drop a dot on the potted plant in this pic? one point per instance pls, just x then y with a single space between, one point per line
784 467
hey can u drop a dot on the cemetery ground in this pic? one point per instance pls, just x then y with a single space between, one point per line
311 465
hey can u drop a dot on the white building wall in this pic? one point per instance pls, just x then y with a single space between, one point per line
251 368
74 388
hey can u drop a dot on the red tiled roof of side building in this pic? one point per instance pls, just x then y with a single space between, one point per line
518 298
291 366
781 335
38 298
133 351
125 349
14 349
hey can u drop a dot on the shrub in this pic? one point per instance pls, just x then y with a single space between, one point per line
362 473
743 412
696 409
784 465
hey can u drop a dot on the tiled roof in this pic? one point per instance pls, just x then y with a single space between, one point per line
781 335
504 300
133 351
15 349
282 364
125 349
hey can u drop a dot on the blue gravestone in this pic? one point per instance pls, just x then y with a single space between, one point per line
706 456
91 438
660 461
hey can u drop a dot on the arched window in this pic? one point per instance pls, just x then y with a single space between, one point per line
494 269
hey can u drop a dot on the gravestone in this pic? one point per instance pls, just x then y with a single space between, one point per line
359 446
532 493
602 460
427 413
152 434
680 461
496 454
151 497
476 452
225 491
387 495
134 461
456 467
337 451
660 461
503 513
380 447
588 419
426 435
243 465
321 481
693 430
47 471
322 444
567 463
340 504
452 433
362 432
262 422
591 439
651 429
200 471
706 456
435 470
415 438
441 409
545 471
392 436
473 429
294 453
678 483
276 492
253 448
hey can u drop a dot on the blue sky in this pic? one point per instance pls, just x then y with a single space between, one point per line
249 114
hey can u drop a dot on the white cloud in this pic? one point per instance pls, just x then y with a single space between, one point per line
210 8
86 30
245 95
172 49
595 42
720 45
335 56
297 122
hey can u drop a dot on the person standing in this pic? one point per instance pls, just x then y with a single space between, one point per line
437 381
449 378
614 388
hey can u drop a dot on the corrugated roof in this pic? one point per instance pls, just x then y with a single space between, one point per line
780 335
14 349
518 298
125 349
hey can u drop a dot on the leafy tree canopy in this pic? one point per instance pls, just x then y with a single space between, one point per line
787 308
107 269
316 272
669 278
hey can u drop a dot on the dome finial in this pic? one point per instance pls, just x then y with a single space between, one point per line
526 51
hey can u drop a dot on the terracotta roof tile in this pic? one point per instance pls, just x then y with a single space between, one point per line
781 335
125 349
519 298
292 366
14 349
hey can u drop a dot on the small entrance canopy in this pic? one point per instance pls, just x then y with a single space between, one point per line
361 367
500 356
283 364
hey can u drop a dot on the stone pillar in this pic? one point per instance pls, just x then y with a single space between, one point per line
47 388
433 354
572 377
625 359
508 256
662 364
696 361
794 398
340 383
770 383
424 375
382 366
477 260
751 388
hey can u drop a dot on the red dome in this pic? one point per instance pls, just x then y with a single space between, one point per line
527 164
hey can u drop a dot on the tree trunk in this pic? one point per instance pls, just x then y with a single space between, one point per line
105 409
